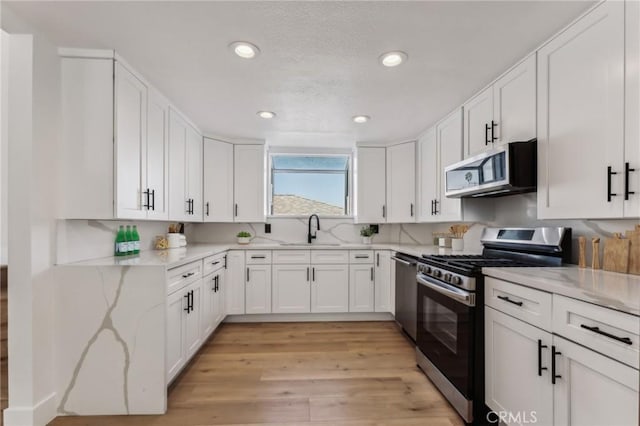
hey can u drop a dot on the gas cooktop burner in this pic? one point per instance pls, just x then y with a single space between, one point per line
467 264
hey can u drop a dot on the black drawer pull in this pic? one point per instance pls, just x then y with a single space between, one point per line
257 257
362 256
506 299
540 347
215 263
625 340
190 274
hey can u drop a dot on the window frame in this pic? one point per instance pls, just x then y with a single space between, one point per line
310 153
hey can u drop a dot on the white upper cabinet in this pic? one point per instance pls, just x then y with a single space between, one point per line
581 141
449 141
478 114
428 176
249 192
631 191
371 185
514 104
218 181
504 111
401 183
155 195
185 170
194 173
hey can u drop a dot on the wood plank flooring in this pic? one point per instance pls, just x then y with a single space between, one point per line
302 374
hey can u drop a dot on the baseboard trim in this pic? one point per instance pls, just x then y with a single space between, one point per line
39 415
350 316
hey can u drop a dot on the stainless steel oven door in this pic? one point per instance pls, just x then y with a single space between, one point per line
446 329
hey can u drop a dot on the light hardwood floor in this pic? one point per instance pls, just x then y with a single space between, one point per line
346 373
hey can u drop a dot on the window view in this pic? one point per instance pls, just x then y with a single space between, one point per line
306 184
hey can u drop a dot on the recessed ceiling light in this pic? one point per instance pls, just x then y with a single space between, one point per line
266 114
360 119
244 49
393 59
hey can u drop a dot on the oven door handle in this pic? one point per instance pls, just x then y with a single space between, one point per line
468 299
404 262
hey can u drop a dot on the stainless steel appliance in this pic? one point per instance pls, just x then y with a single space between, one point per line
406 293
509 169
450 334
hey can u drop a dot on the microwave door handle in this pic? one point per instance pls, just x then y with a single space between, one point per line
447 290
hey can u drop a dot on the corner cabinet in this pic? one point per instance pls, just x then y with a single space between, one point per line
584 157
401 183
371 198
218 181
114 141
249 183
185 170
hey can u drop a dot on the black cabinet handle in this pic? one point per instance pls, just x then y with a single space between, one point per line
372 274
540 347
215 263
506 299
362 256
307 274
554 376
435 206
190 274
247 274
146 204
313 274
411 209
432 207
378 259
188 305
225 261
627 170
188 205
236 210
609 193
625 340
384 211
486 134
207 208
257 257
493 131
153 200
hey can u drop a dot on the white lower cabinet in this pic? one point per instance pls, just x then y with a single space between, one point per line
258 289
291 289
329 288
517 370
235 283
212 302
384 286
361 288
193 319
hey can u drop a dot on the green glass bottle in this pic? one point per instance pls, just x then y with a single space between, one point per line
136 240
129 239
121 241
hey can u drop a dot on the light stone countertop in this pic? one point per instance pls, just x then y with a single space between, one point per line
175 257
609 289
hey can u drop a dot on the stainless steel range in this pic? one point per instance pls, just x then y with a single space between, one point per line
450 332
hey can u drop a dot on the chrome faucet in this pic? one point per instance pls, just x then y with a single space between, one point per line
309 236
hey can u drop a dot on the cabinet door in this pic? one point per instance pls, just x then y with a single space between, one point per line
428 176
449 134
514 103
258 289
512 380
581 117
218 181
330 288
157 156
632 107
382 284
291 288
194 173
249 191
371 185
593 389
209 307
401 183
219 294
235 283
130 143
193 320
361 288
176 304
478 113
177 167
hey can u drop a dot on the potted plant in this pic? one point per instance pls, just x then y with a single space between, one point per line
366 232
244 237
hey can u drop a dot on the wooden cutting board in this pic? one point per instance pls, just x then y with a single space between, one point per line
616 254
634 251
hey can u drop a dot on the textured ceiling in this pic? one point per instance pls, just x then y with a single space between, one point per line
319 60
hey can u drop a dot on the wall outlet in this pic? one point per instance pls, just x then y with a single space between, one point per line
376 228
267 228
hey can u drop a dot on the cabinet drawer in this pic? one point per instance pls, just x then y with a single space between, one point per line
258 257
527 304
183 275
213 263
612 333
291 257
329 257
361 256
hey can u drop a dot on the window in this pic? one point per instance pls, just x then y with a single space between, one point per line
303 184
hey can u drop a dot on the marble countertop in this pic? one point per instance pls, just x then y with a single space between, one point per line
609 289
180 256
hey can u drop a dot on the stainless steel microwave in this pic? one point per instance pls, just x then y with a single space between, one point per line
509 169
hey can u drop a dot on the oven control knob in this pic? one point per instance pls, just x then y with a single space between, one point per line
447 277
456 280
437 273
427 269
